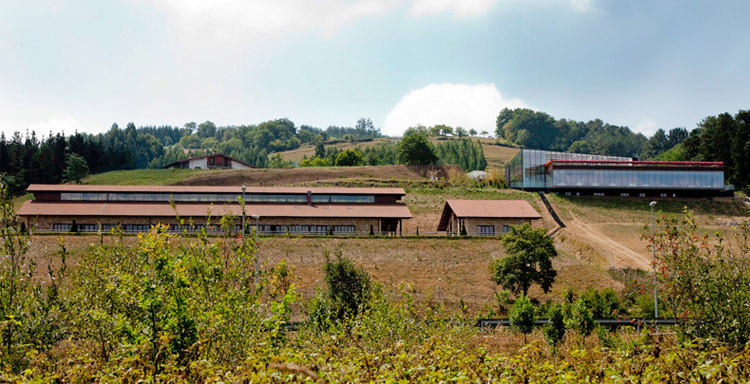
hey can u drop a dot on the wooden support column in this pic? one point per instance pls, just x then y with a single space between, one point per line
400 226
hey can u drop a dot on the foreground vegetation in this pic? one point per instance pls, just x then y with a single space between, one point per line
168 308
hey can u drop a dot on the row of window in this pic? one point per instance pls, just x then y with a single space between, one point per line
263 229
489 230
216 197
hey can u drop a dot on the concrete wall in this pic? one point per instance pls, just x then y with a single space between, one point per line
201 163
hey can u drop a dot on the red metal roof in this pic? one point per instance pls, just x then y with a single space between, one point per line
208 189
156 209
673 163
487 209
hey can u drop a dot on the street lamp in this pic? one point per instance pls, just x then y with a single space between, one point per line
244 187
256 217
653 250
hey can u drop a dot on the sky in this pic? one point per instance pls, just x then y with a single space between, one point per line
82 65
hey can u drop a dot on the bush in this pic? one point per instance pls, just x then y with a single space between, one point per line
604 304
706 279
522 316
580 319
554 330
348 286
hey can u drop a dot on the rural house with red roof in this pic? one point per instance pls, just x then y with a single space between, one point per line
485 217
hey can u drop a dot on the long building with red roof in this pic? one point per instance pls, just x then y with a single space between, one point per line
296 210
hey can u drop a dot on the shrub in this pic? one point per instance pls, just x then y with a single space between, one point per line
522 316
554 330
706 279
581 320
603 304
348 286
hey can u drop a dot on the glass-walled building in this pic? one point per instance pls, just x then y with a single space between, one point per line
574 173
527 170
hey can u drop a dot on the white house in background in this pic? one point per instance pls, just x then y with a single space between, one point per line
215 161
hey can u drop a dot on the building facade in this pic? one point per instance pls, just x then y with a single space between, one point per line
576 174
485 217
272 210
215 161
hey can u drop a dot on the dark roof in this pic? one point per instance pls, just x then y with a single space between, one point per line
106 209
210 189
211 155
487 209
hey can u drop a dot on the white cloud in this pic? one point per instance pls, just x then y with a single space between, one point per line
240 19
582 5
465 105
646 126
460 8
55 125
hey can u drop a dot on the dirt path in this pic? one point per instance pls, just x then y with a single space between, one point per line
615 254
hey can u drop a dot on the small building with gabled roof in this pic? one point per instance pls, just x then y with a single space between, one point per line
485 217
213 161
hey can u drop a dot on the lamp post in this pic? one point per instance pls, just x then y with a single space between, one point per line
244 187
256 217
653 251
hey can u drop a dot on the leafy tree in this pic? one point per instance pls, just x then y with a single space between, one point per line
529 260
206 129
554 330
349 158
320 150
581 320
75 168
580 146
521 316
415 148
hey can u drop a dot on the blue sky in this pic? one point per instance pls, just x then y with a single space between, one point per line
82 65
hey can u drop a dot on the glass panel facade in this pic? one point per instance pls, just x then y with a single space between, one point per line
635 179
527 171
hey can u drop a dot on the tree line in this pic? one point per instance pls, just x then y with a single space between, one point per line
414 148
26 159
